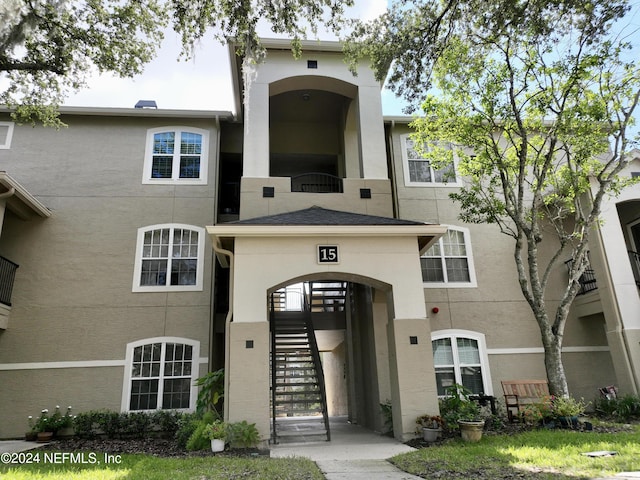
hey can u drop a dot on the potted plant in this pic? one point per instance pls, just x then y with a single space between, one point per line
32 434
459 411
217 433
43 426
566 410
63 423
430 426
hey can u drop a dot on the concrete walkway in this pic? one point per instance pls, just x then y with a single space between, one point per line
12 446
353 453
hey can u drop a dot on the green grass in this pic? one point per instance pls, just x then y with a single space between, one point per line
540 454
146 467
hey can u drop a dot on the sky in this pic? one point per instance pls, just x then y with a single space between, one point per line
203 83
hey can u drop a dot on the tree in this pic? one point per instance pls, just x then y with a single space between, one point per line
48 47
537 102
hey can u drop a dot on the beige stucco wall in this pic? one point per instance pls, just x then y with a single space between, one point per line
72 297
496 307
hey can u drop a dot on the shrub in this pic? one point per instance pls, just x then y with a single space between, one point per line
187 423
112 424
198 439
243 435
622 409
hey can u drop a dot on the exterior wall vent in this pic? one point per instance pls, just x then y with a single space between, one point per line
312 64
146 104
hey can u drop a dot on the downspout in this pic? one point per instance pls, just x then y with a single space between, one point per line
219 250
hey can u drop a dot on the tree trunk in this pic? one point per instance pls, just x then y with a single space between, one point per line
553 364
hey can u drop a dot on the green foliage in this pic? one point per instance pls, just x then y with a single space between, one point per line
112 424
216 430
457 406
53 422
198 439
48 48
149 467
623 409
387 415
243 435
211 394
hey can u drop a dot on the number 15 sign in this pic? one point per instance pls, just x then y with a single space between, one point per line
328 254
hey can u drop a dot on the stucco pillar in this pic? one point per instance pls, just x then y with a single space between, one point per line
247 375
413 389
373 149
255 160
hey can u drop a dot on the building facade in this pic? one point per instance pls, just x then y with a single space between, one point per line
142 248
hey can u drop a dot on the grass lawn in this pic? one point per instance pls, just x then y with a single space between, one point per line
146 467
538 454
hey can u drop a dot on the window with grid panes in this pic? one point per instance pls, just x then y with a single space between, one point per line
447 261
457 359
420 170
161 376
169 256
176 154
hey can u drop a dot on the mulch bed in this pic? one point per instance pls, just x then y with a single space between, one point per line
157 447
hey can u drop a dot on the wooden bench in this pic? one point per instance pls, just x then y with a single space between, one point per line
518 393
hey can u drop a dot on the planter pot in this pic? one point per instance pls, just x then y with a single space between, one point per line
66 432
568 422
31 436
430 434
217 445
44 437
471 431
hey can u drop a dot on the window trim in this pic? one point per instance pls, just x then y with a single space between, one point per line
473 282
147 179
127 379
454 334
407 176
6 145
137 270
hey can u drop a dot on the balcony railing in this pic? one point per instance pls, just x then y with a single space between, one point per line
7 275
635 265
316 183
587 280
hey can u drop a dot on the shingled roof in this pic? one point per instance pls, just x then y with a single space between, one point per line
322 216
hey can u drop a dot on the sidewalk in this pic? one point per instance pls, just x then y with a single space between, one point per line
354 453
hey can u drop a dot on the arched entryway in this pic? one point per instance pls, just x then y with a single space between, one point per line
379 261
325 360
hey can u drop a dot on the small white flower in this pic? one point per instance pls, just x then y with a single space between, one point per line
69 407
46 410
57 407
30 417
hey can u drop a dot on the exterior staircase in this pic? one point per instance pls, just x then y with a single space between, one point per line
298 400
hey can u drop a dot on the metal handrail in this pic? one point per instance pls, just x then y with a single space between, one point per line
587 280
316 182
7 277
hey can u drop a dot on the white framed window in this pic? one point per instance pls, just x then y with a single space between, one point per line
460 356
169 257
449 262
160 374
6 134
418 171
176 155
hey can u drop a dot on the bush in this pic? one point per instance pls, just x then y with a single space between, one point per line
112 424
622 409
243 435
198 439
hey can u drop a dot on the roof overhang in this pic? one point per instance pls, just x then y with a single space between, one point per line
223 236
19 200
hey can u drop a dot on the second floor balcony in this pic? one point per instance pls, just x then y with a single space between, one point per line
7 276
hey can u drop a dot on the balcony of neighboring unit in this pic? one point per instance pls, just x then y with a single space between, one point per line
587 301
7 276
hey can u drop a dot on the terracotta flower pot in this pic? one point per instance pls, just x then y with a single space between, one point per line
44 437
471 431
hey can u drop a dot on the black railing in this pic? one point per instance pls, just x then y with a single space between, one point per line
316 183
635 265
587 280
7 275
